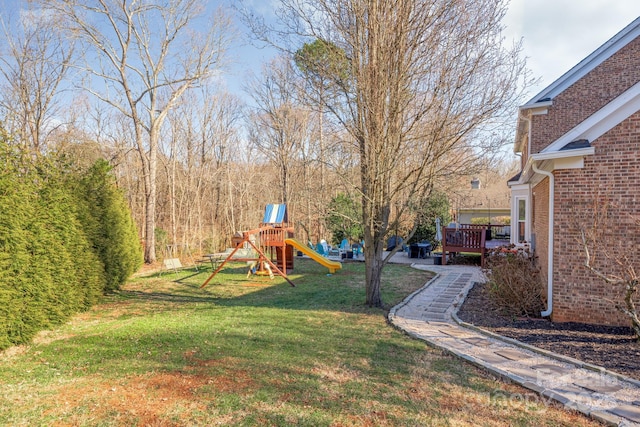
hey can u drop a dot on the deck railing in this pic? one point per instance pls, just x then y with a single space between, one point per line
275 236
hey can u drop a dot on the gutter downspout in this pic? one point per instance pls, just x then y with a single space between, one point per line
549 309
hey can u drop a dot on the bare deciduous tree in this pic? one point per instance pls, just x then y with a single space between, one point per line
425 85
141 58
279 126
619 271
204 140
35 62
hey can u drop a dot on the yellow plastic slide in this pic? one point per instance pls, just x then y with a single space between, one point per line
333 266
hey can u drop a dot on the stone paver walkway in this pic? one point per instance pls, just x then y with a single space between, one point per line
430 314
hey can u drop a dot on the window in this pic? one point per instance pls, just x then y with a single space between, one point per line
521 213
522 218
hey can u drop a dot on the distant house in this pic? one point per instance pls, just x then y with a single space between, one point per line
469 215
577 138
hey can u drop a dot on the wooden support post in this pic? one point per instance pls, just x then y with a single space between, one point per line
261 258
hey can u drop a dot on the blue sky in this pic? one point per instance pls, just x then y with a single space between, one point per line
557 34
560 33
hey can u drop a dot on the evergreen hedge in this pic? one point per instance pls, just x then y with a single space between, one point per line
66 237
109 225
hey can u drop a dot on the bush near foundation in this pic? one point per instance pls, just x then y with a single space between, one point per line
515 283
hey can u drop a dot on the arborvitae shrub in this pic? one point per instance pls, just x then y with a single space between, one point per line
109 225
65 238
49 270
76 269
16 206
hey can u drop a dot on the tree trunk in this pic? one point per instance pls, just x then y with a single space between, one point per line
285 183
150 198
149 226
172 199
630 309
373 268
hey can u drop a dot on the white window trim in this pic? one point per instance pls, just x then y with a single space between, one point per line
520 192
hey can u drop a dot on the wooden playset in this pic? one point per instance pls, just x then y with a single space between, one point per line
264 248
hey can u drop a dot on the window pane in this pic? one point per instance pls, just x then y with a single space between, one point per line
521 210
521 232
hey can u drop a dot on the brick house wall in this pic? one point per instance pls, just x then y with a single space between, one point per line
612 175
586 96
540 226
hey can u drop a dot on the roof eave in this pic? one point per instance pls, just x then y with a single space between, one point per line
563 154
536 105
545 161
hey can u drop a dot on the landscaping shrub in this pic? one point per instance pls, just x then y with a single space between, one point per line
16 206
48 269
483 220
504 220
109 225
514 282
63 242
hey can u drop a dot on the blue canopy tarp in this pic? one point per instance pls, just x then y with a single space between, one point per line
275 214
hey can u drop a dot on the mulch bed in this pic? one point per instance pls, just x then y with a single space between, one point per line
613 348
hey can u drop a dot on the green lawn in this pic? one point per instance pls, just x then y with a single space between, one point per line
164 352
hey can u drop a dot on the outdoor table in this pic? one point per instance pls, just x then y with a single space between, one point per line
214 259
419 250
